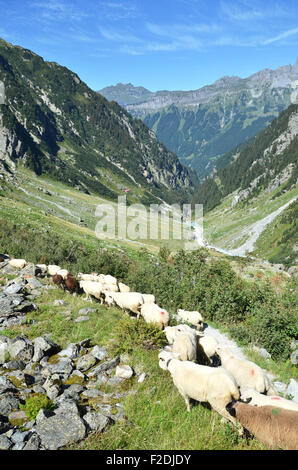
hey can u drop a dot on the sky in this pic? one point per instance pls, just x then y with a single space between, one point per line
158 44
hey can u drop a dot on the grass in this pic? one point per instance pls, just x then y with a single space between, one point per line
155 416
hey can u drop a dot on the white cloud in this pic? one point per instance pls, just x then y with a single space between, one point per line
284 35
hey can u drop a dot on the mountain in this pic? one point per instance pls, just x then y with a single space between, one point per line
202 125
52 123
258 182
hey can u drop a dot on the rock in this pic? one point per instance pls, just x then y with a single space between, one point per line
4 425
33 442
124 371
262 352
53 386
22 349
60 430
4 352
6 385
294 357
294 345
99 352
19 446
107 365
43 346
293 390
59 302
85 362
20 436
17 418
8 403
34 283
14 288
72 351
96 421
82 319
64 366
86 311
73 391
14 365
5 443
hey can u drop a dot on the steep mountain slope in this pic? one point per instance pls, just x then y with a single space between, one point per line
201 125
54 124
259 179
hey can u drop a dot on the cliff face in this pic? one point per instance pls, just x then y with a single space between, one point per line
202 125
54 124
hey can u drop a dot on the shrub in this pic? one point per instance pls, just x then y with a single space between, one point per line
129 334
35 403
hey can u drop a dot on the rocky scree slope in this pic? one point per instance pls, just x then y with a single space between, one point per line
53 123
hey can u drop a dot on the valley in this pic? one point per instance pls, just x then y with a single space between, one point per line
66 155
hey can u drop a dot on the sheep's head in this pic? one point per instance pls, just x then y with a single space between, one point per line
169 331
164 357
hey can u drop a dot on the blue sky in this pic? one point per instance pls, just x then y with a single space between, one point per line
159 44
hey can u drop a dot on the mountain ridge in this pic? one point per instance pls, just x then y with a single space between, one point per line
202 125
53 123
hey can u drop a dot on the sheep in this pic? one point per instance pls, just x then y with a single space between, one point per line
107 279
194 318
41 270
111 287
71 284
247 374
152 313
253 398
206 345
128 301
148 298
17 263
53 269
185 346
202 383
92 288
63 273
87 277
123 287
275 427
58 280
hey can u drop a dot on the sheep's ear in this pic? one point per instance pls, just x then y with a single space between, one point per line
246 400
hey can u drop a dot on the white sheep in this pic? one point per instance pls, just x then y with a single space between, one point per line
246 373
148 298
206 345
254 398
202 383
110 287
107 279
87 277
153 313
92 288
128 301
53 269
17 263
194 318
63 273
123 287
185 346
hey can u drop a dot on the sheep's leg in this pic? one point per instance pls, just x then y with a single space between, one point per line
221 409
186 398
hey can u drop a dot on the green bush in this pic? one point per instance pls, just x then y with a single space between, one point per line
129 334
35 403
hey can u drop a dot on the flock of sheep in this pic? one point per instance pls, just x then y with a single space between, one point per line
200 367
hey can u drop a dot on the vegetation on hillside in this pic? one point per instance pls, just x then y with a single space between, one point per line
254 311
